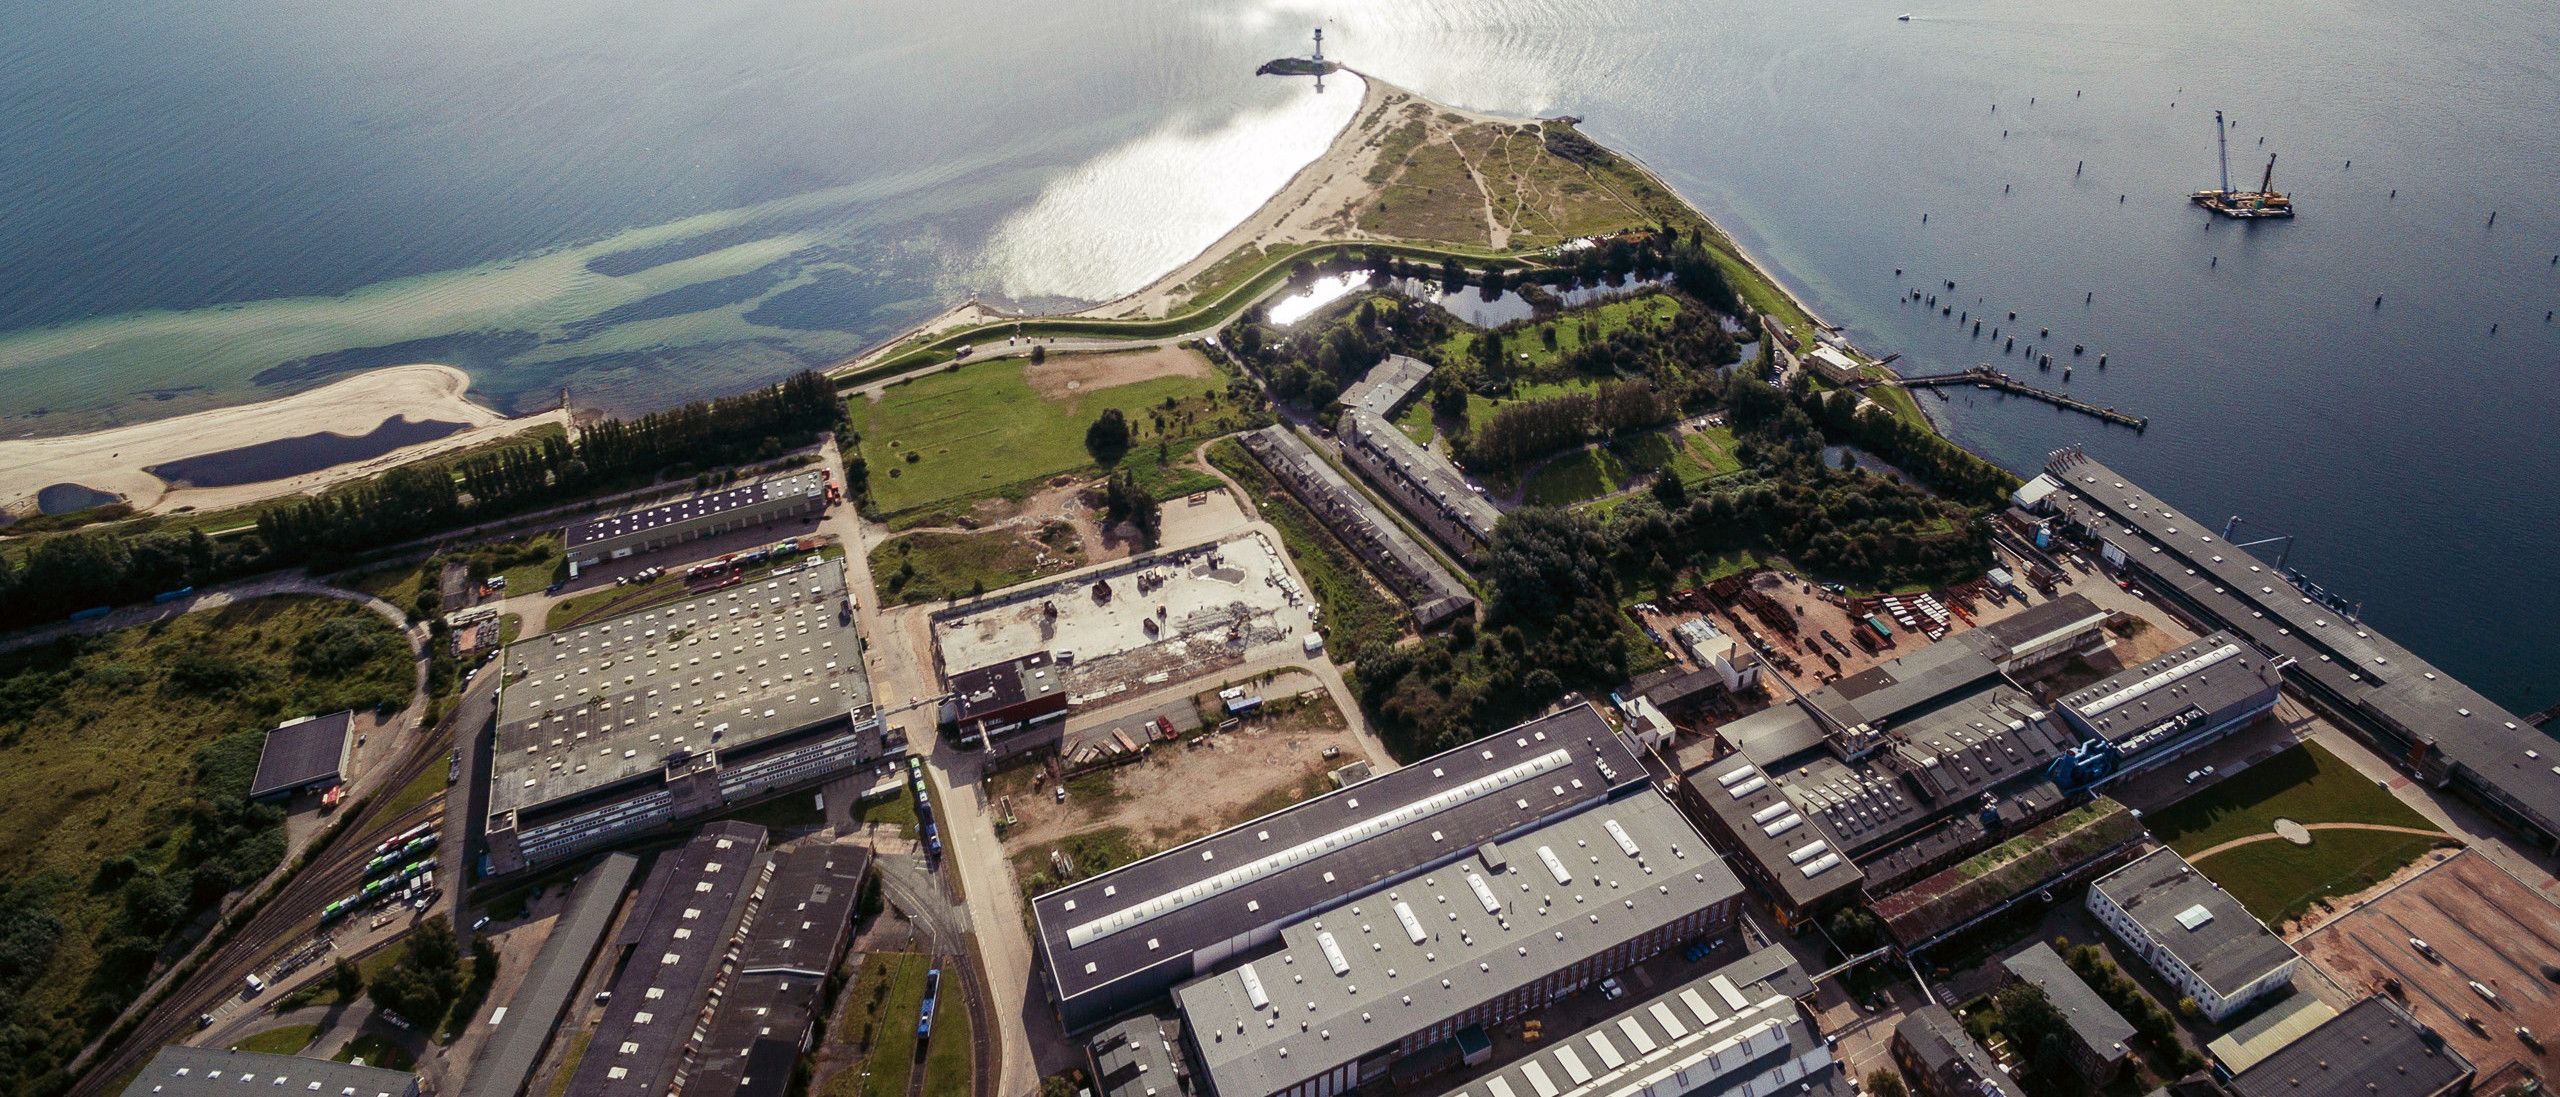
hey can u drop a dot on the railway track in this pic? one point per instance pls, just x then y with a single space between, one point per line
287 921
984 1064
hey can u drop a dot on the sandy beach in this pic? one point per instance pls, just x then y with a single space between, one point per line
115 460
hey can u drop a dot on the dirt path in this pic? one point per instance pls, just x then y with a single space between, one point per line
2271 836
1496 233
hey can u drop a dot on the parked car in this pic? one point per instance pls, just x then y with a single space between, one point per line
1612 989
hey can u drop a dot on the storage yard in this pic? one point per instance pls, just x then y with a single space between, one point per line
2480 926
1149 622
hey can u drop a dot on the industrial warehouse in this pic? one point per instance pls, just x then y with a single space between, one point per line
2193 933
2177 702
721 510
716 974
301 755
1309 951
653 718
1890 774
1738 1029
1416 576
2407 708
1508 928
698 902
1123 939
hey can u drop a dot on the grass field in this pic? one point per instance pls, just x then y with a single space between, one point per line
950 1061
607 601
1584 474
878 1019
377 1051
977 430
2278 880
124 767
937 565
1443 178
1572 331
280 1041
2306 784
1355 612
421 789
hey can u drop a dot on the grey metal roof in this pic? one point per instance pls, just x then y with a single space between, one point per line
1945 1052
1387 385
1140 1057
1371 972
2041 623
2189 686
1425 470
2347 658
1550 766
1735 1029
2229 951
1354 517
2099 1028
801 927
808 909
1000 686
1774 735
180 1071
1905 686
1775 833
2373 1049
709 504
304 752
687 917
506 1062
604 703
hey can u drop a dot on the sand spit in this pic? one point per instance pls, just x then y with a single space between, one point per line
115 460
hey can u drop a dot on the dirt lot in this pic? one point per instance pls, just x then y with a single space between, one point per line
1066 374
2484 926
1179 793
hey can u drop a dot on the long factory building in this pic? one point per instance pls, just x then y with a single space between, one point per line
1123 939
1457 950
1736 1031
2421 716
1309 951
615 729
720 510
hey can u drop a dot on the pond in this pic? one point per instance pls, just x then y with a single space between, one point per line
66 498
295 456
1471 305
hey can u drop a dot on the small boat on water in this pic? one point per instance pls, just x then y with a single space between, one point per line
1905 17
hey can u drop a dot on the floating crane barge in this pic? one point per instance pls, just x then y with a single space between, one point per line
2246 205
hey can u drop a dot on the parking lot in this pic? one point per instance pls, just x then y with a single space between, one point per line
2480 926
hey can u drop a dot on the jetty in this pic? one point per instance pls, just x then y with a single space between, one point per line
1987 377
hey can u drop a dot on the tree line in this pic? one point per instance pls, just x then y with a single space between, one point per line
69 572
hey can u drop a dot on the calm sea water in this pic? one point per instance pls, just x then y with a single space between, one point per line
647 200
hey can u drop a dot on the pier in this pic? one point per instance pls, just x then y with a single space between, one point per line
1987 377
